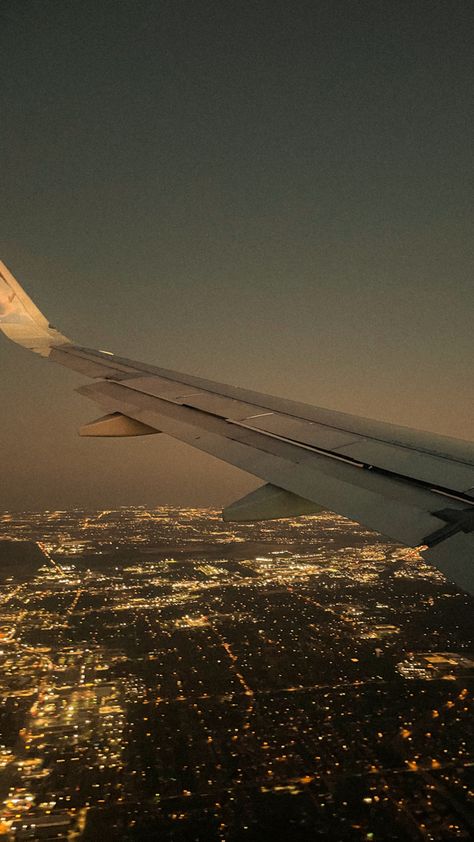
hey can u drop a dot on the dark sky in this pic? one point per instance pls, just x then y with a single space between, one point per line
274 194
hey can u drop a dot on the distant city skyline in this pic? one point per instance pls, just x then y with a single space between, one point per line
272 195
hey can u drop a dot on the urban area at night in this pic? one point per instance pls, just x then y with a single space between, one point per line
167 676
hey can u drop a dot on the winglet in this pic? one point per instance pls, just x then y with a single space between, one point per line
21 320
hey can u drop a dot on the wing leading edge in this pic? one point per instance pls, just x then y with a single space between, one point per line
415 487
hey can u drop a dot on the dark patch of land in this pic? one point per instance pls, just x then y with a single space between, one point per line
19 559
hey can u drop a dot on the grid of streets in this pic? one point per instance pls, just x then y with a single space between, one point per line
166 676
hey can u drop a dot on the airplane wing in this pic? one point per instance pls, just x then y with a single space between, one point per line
415 487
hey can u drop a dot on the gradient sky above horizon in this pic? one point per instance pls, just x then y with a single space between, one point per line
271 194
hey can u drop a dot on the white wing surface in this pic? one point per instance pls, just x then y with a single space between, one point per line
414 487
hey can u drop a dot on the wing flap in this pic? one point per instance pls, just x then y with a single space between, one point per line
438 470
428 468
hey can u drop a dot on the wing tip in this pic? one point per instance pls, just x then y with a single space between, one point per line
21 321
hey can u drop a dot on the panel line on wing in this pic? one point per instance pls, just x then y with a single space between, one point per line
446 492
441 447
